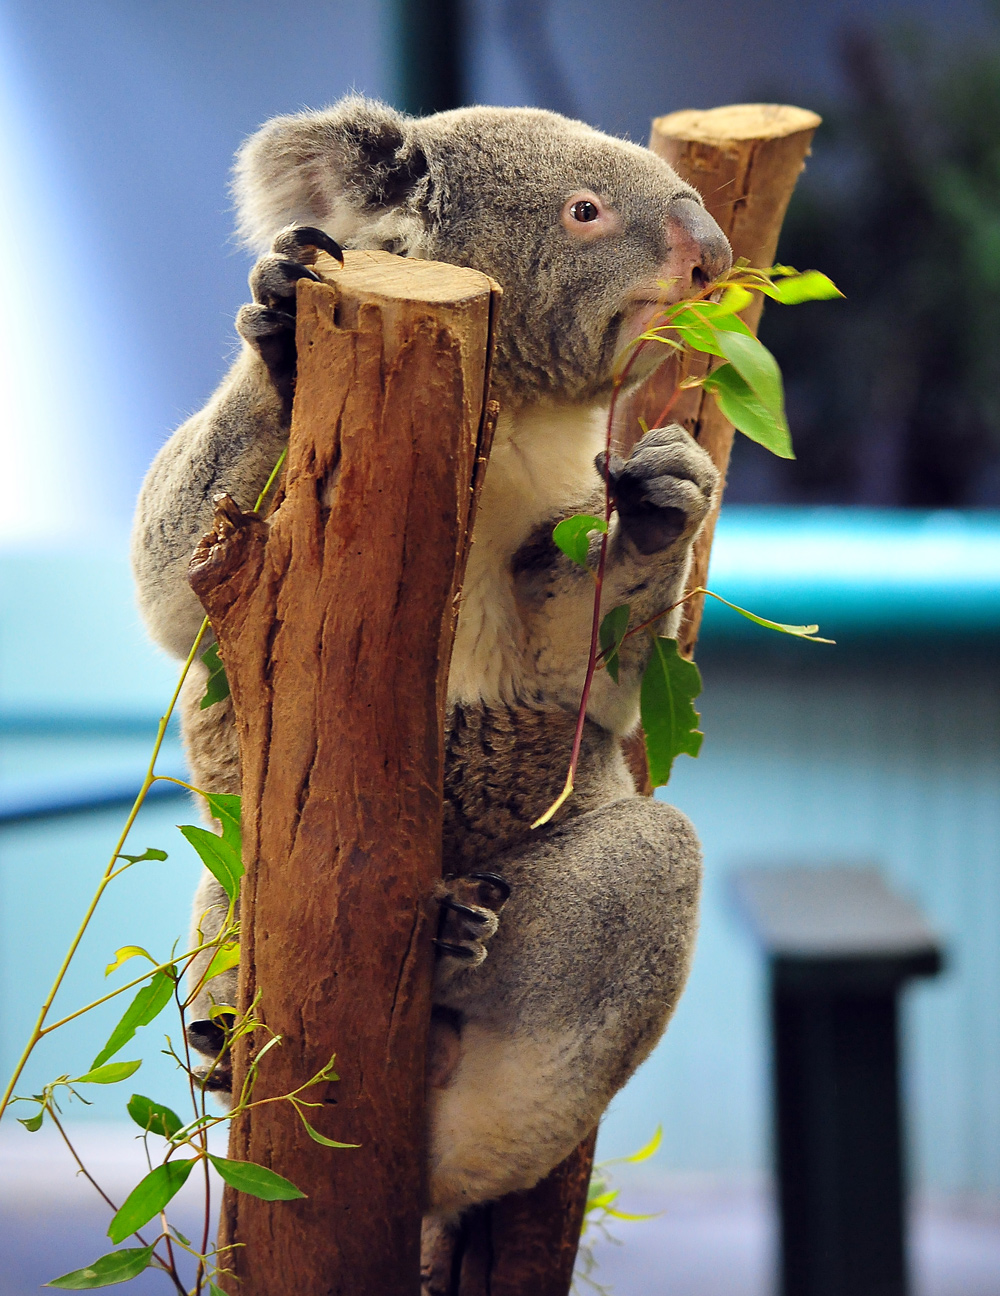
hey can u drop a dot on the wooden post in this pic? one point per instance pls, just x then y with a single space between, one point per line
335 620
744 160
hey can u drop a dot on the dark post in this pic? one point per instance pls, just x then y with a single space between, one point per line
840 946
429 55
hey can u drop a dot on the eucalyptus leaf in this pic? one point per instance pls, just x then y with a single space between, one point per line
799 631
572 535
756 366
225 957
217 685
226 807
612 631
650 1149
317 1137
153 1117
150 853
124 954
747 413
670 684
115 1267
149 1197
110 1074
32 1123
220 857
810 285
256 1180
147 1005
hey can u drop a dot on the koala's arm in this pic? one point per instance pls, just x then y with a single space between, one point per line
231 445
663 493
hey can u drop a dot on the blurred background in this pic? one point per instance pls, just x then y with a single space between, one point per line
117 127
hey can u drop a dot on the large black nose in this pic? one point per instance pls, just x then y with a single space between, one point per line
699 252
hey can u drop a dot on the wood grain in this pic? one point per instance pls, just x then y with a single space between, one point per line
335 621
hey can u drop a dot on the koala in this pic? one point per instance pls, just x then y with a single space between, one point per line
562 951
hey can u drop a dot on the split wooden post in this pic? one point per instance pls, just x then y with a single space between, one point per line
744 160
335 620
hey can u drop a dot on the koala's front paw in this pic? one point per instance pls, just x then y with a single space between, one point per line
663 490
469 909
268 325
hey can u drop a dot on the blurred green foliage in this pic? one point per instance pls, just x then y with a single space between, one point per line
894 394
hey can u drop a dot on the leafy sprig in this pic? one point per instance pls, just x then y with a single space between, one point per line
748 389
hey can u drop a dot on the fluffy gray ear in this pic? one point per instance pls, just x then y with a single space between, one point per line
337 168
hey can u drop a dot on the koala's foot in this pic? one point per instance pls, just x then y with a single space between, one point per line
469 909
209 1039
663 490
268 325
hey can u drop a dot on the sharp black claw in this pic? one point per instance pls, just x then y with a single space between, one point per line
469 912
291 242
501 884
458 951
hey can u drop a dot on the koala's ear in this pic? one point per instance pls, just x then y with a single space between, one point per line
338 168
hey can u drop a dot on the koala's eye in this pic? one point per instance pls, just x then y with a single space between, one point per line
587 216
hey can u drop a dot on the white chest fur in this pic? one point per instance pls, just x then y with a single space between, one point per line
542 464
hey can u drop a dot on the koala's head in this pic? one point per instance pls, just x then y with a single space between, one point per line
580 229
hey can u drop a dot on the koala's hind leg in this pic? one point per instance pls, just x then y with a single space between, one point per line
579 981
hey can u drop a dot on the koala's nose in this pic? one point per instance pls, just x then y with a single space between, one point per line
698 253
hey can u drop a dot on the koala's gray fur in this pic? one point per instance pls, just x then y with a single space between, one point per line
541 1012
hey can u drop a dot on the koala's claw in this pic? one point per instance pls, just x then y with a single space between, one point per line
663 490
299 240
467 952
268 325
469 908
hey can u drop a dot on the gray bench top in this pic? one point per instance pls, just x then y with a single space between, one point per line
830 913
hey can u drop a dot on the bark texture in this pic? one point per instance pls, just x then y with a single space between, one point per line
744 160
335 620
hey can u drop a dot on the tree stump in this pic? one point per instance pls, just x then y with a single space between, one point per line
744 160
335 620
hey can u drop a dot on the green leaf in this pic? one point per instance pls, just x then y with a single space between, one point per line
220 857
32 1123
149 1197
217 686
572 535
651 1148
226 808
670 684
148 1004
700 326
150 853
747 413
256 1180
317 1137
611 633
799 631
215 1291
756 366
109 1074
810 285
153 1117
224 958
115 1267
125 953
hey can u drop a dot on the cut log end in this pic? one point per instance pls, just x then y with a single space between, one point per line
735 122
